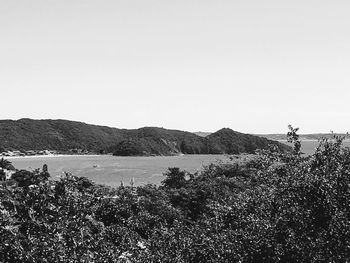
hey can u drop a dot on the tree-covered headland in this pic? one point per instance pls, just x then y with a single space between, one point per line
266 207
27 137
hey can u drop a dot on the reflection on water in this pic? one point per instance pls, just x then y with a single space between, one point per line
111 170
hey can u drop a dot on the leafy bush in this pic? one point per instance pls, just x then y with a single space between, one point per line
265 207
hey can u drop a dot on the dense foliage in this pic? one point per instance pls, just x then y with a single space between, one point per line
267 207
63 135
232 142
158 141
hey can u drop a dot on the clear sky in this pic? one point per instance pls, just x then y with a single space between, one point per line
251 65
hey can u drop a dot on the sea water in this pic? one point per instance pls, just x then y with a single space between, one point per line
112 170
309 146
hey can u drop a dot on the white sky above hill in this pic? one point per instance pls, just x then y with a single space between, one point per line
252 65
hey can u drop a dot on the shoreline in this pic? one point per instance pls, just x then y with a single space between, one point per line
97 155
308 140
52 156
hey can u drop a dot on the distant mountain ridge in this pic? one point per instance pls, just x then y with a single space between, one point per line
64 135
313 136
283 137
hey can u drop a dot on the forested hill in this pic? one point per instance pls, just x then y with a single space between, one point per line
64 135
229 141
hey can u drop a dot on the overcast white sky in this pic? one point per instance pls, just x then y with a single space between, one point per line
254 66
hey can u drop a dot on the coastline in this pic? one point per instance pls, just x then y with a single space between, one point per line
100 155
52 156
310 140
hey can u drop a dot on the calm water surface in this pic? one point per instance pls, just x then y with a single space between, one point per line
111 170
308 147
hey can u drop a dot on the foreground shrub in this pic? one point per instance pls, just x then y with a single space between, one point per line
266 207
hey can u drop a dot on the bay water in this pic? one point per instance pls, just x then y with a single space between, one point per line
112 170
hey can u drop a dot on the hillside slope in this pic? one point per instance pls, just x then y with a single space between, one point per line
159 141
28 134
63 135
232 142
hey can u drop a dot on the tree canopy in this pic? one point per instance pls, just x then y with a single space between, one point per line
265 207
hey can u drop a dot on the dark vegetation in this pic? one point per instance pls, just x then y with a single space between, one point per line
63 135
269 207
229 141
